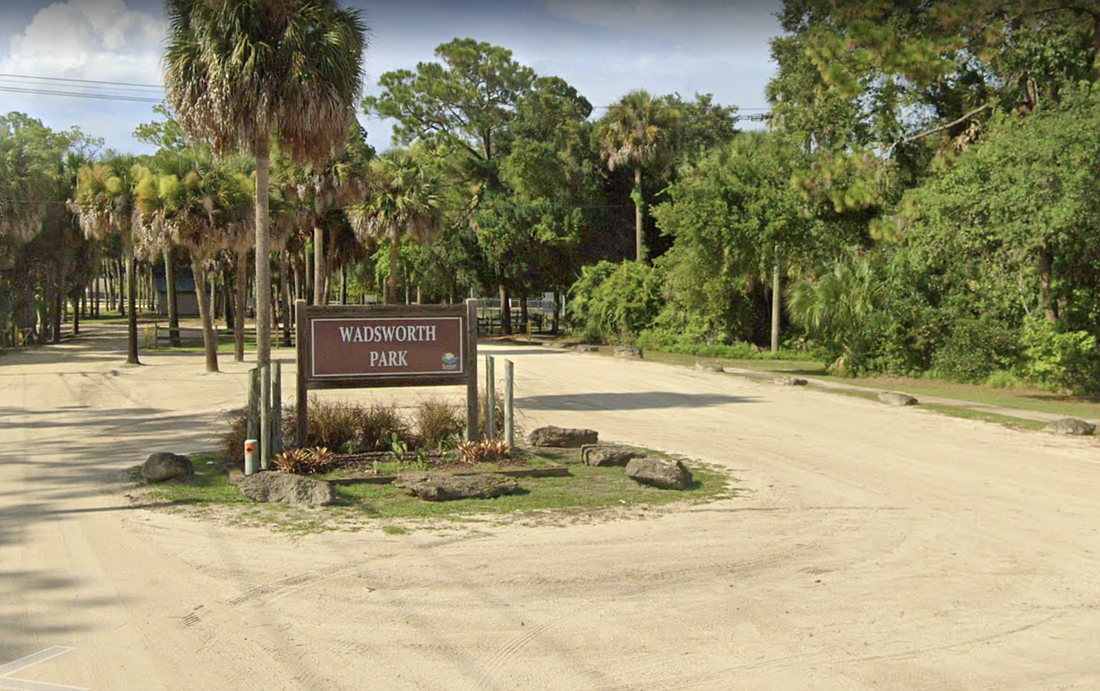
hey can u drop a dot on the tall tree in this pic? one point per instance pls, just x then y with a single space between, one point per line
635 131
404 199
103 203
242 72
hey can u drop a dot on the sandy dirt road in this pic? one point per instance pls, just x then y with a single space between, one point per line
868 548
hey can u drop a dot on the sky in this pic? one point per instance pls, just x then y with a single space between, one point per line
604 48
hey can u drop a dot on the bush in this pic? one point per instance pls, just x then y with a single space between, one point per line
974 349
615 303
439 422
1062 360
483 416
348 428
234 438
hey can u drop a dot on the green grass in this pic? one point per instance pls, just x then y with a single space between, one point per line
586 490
1022 398
971 414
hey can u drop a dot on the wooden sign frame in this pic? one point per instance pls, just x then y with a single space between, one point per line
306 314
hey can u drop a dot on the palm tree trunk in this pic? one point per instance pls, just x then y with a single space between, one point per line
775 303
284 279
131 305
242 298
173 304
330 260
639 247
263 253
209 338
505 312
344 284
318 266
395 251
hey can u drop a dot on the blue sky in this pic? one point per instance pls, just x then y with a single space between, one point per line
604 48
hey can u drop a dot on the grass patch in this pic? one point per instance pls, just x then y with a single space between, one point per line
971 414
586 490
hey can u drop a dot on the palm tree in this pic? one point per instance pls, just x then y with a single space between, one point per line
836 308
103 205
242 72
635 130
403 198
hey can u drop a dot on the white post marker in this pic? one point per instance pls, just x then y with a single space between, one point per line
509 411
30 661
251 463
490 398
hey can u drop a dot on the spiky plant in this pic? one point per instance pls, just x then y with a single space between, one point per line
635 131
240 73
404 198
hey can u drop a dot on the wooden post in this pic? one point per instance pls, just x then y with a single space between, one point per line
490 399
265 417
471 370
301 337
254 403
509 411
277 409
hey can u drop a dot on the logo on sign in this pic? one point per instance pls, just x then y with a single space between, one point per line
450 361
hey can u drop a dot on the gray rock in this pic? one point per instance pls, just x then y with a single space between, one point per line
444 487
895 398
790 381
659 472
612 455
628 351
163 466
1071 427
276 487
558 344
586 348
565 438
704 366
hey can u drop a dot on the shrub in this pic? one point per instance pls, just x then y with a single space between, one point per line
1063 360
974 349
304 461
350 428
438 422
615 303
233 440
483 451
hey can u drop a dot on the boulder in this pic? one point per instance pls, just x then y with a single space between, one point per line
163 466
628 351
790 381
704 366
565 438
659 472
895 398
278 487
558 344
586 348
444 487
613 455
1071 426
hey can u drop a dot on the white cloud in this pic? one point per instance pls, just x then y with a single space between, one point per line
88 39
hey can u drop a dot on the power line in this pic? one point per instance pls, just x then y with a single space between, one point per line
81 81
77 94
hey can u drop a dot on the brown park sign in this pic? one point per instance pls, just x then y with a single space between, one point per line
376 346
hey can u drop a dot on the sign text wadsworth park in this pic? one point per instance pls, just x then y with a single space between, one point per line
376 346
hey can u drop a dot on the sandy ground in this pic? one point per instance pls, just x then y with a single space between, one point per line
868 548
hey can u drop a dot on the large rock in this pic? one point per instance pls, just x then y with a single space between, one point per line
284 488
163 466
659 472
1071 426
895 398
604 456
563 437
628 351
586 348
444 487
704 366
790 381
